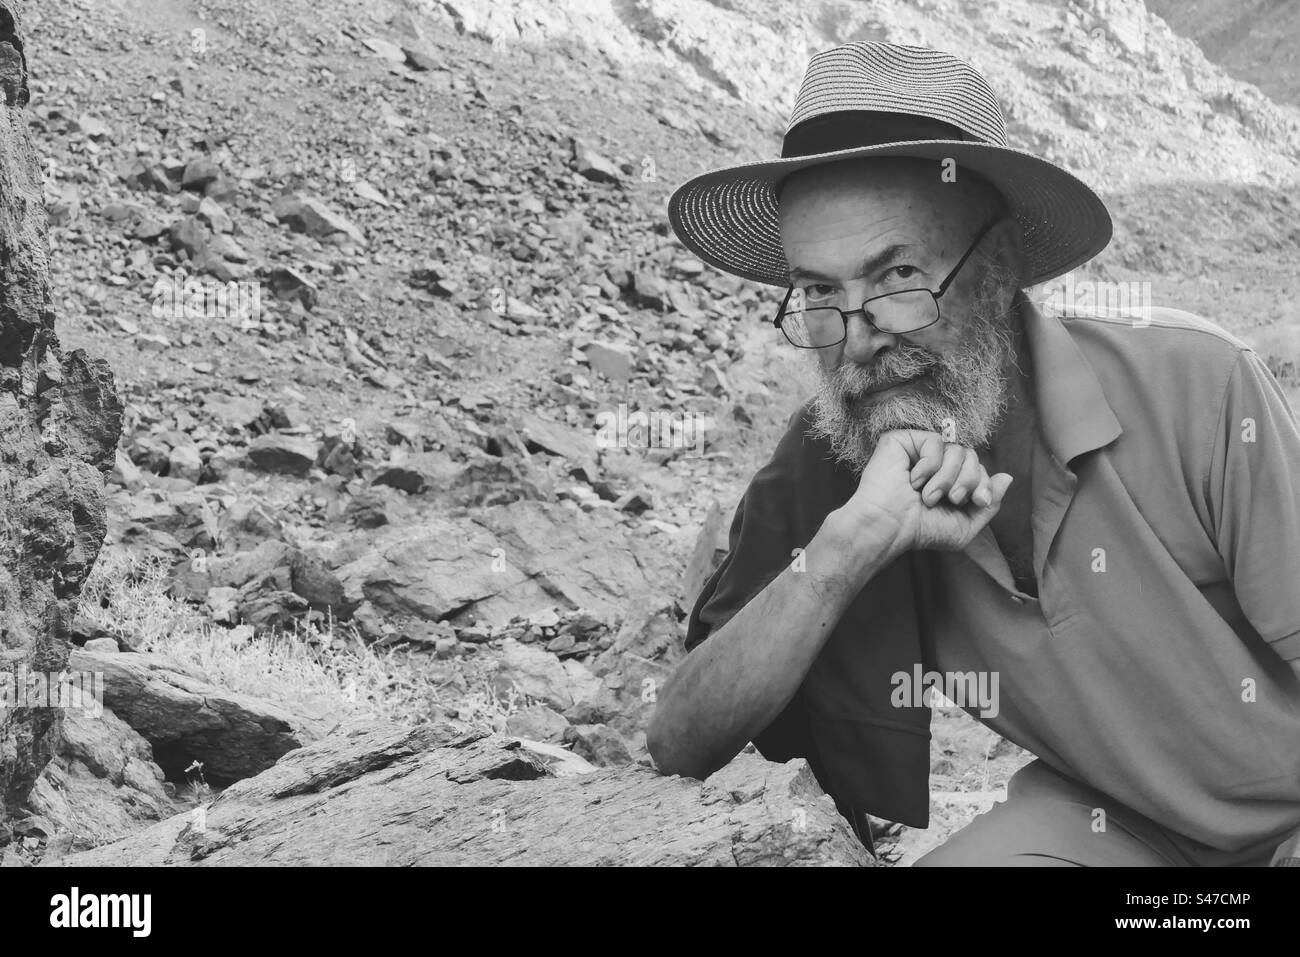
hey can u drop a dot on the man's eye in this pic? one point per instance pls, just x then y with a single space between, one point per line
902 272
818 290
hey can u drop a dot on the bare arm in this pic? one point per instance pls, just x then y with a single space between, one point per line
916 492
764 651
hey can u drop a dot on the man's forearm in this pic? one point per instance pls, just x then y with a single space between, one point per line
734 684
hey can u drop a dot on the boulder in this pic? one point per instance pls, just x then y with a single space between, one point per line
375 507
647 648
290 285
282 454
613 361
191 580
710 549
186 719
433 570
419 471
268 608
199 174
598 743
649 290
373 794
147 177
91 126
307 214
189 235
582 560
234 413
538 723
102 783
538 675
593 165
545 435
385 49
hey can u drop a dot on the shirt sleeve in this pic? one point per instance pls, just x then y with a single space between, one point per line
1255 497
769 524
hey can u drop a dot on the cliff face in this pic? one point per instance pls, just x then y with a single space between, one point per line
59 423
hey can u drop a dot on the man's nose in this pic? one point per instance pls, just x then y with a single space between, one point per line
863 341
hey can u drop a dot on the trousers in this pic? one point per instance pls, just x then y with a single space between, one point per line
1049 820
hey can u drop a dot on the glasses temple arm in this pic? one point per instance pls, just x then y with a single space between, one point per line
780 313
943 287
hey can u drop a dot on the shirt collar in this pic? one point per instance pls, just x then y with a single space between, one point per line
1073 413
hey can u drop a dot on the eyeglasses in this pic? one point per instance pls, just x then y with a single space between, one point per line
895 313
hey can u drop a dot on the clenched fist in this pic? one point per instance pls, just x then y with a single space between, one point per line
925 492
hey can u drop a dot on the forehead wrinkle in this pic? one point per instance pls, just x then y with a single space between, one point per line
869 259
867 264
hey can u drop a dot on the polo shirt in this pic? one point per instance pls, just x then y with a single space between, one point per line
1152 665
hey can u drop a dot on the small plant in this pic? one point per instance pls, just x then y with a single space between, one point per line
196 791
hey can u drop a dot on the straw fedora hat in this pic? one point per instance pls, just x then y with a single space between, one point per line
882 99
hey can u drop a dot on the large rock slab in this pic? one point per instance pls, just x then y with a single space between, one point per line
433 570
373 794
580 560
517 559
185 718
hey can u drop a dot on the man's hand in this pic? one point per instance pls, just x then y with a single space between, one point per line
915 492
930 493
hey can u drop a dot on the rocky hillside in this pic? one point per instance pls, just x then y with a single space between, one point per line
1254 40
370 283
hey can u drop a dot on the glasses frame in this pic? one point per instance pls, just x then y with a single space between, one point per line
844 316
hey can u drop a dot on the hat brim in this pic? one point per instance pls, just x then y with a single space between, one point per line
728 217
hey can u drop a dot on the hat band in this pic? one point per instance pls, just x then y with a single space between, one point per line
848 129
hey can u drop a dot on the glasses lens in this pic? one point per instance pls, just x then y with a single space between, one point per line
810 328
820 326
904 311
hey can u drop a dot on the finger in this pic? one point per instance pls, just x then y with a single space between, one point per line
898 448
982 515
982 495
967 479
930 453
937 487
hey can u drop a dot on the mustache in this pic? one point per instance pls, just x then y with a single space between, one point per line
905 362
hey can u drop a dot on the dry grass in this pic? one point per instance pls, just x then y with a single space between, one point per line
323 674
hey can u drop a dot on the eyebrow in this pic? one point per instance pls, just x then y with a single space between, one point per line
869 265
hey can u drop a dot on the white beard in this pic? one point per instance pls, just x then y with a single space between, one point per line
964 397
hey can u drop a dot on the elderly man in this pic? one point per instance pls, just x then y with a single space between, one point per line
1095 516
